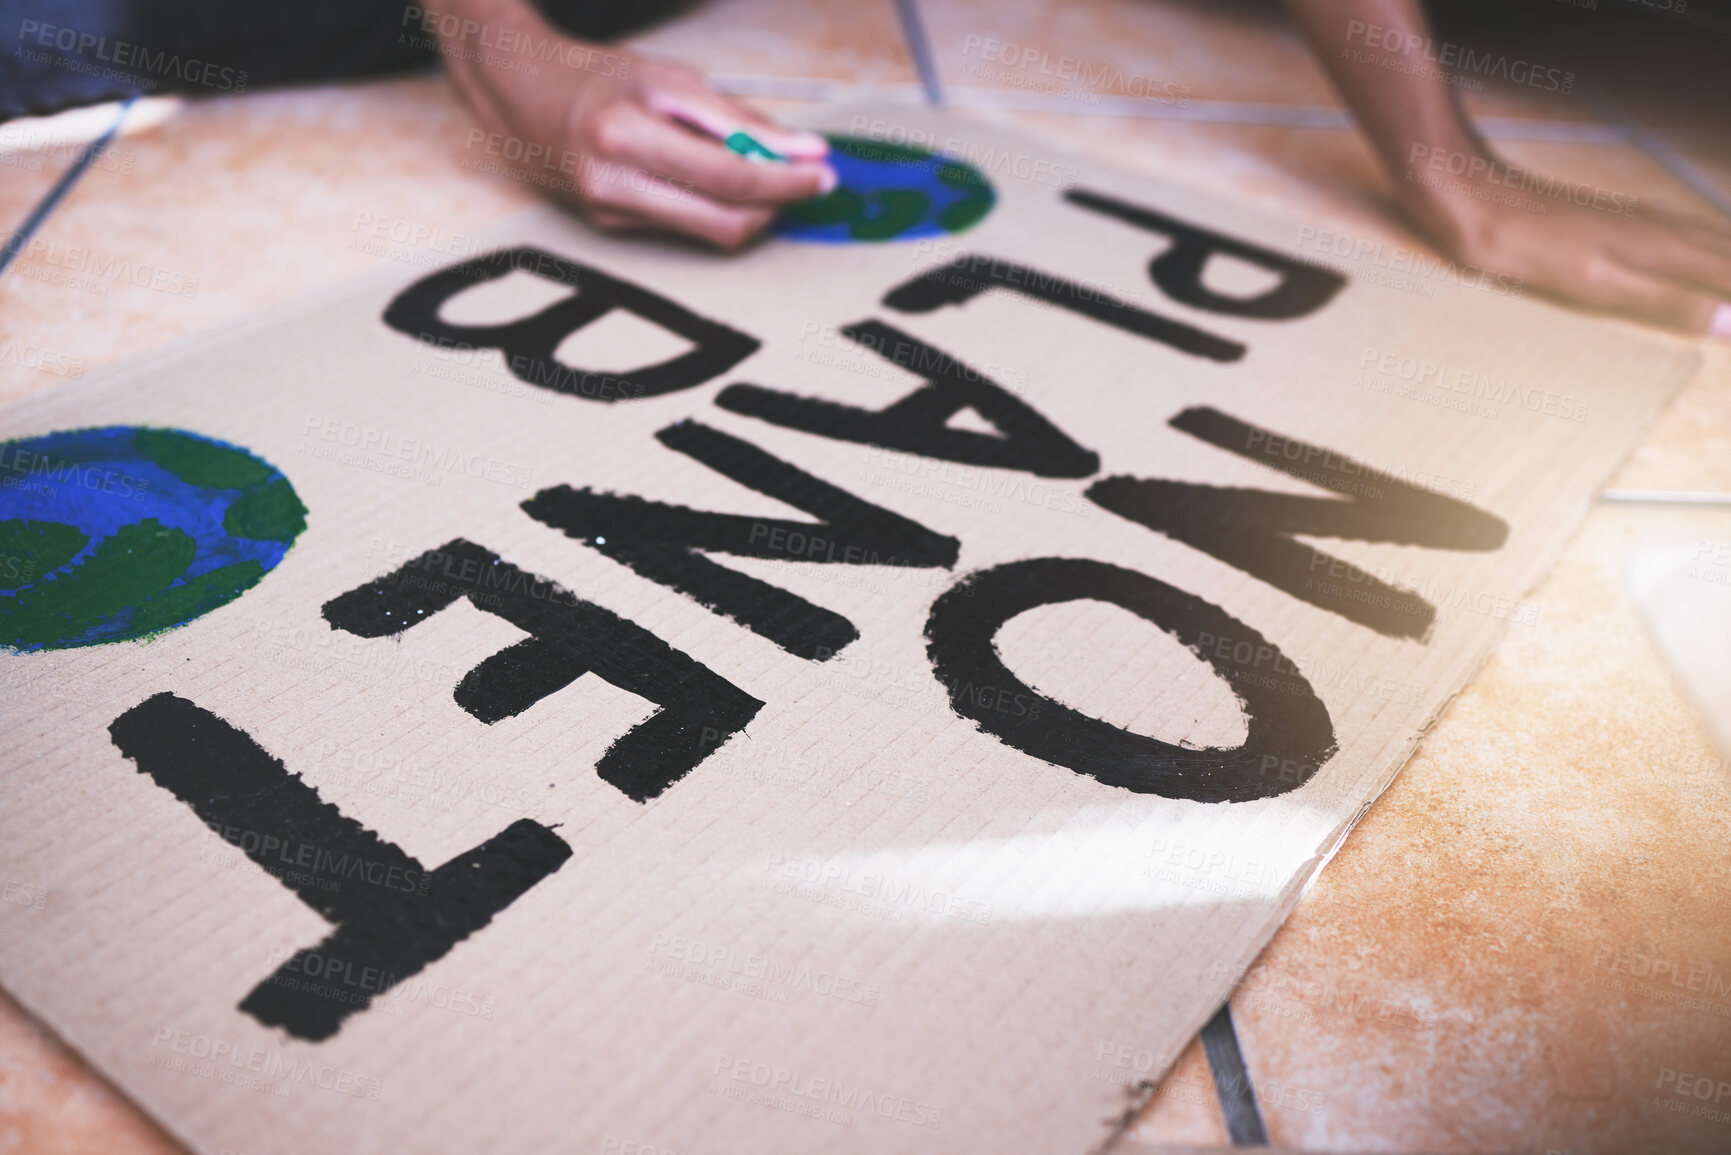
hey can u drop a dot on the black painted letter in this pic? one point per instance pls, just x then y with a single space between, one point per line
1250 529
393 916
968 276
569 637
528 344
660 541
917 423
1303 288
1289 734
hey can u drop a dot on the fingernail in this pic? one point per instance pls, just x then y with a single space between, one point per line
826 185
807 143
1720 324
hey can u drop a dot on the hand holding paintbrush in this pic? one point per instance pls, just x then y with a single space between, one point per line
634 143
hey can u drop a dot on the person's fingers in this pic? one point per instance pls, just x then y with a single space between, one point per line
645 201
1695 268
793 143
629 132
724 226
721 118
1715 238
1719 324
613 221
1624 289
636 135
1690 260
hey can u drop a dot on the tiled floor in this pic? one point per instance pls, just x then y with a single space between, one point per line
1447 983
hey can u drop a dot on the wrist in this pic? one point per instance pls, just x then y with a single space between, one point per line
506 46
1450 191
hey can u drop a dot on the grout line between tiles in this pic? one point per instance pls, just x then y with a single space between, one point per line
914 32
1666 156
1243 112
1232 1084
46 206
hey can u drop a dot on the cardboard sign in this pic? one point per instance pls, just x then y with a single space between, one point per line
873 693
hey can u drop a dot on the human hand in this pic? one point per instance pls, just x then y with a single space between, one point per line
1612 254
634 143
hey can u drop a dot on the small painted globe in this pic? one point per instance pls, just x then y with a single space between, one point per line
119 533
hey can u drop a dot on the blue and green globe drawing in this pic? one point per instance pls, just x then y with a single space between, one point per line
889 192
115 534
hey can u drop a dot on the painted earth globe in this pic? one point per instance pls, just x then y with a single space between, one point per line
119 533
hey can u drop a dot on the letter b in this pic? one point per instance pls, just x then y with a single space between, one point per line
528 343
